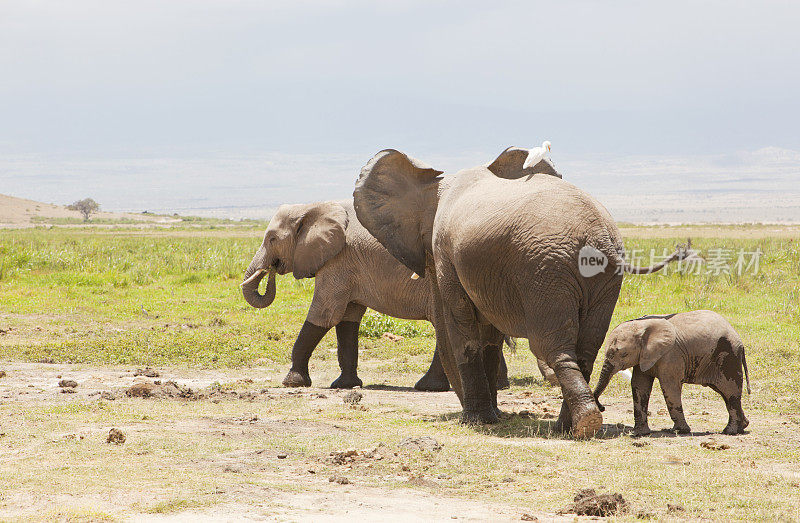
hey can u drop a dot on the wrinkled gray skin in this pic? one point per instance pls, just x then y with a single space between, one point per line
698 347
352 272
501 245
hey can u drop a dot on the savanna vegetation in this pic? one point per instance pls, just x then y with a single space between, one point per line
121 298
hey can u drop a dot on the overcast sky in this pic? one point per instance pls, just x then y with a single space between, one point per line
155 78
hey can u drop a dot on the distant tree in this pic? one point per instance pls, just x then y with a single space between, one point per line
86 207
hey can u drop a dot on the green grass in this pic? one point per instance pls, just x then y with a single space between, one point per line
165 298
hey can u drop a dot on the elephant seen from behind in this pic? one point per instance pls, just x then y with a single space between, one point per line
501 246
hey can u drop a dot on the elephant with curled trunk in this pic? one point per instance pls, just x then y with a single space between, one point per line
352 272
503 247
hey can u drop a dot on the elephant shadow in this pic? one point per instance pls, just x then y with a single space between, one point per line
527 381
392 388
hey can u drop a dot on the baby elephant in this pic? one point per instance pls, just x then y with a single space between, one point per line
689 347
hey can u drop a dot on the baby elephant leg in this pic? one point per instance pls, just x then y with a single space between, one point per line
732 395
672 395
641 387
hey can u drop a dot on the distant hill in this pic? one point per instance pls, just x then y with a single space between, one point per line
19 212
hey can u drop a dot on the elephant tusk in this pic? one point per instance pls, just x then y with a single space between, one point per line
414 276
255 275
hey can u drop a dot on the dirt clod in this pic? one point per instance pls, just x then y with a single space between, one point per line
392 337
108 395
421 443
341 480
143 389
147 371
2 374
352 397
712 444
590 503
115 436
528 517
68 384
343 457
282 455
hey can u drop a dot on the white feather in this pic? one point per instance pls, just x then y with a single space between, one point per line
536 155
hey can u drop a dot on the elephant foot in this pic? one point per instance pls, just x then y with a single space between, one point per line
295 379
681 429
587 422
488 416
346 382
564 422
642 430
736 428
432 383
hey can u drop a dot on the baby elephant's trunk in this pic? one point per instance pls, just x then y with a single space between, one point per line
602 383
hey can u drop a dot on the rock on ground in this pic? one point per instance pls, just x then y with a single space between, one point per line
115 436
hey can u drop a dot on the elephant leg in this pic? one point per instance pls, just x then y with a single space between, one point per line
672 395
732 395
435 380
464 335
592 329
491 362
641 387
502 372
547 373
579 412
347 341
308 339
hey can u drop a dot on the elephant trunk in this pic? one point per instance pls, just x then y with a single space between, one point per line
252 278
602 383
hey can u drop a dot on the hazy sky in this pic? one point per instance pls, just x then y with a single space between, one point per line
198 77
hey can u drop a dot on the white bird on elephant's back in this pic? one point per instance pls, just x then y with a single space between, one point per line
536 155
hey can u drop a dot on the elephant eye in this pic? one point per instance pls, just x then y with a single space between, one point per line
299 227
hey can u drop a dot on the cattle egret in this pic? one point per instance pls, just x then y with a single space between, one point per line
536 155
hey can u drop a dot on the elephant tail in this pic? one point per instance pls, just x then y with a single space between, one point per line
682 252
746 374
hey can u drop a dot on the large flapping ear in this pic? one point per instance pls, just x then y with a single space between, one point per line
509 165
320 237
658 338
391 198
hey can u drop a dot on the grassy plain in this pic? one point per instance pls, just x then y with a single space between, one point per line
95 303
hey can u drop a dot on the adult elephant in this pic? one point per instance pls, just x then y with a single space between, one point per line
502 246
352 271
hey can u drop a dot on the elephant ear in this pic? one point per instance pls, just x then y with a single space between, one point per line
509 165
392 198
658 338
320 237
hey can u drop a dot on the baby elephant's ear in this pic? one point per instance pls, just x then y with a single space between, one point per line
658 338
320 237
509 165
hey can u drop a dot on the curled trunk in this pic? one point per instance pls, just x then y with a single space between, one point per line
250 288
602 383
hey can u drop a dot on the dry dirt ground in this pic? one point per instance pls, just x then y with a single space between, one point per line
240 446
290 486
